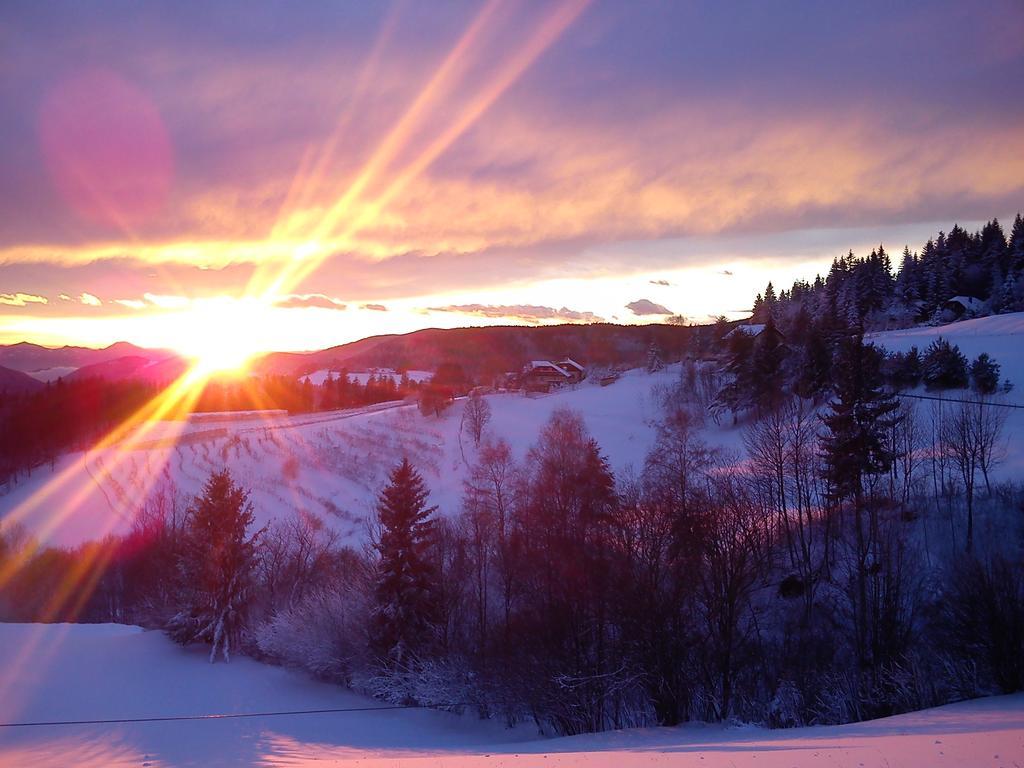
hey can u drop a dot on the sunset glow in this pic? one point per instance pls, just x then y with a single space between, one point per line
516 145
484 382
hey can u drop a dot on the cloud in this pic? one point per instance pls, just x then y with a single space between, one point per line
647 307
165 301
529 313
375 307
776 136
21 299
665 283
90 300
131 303
319 300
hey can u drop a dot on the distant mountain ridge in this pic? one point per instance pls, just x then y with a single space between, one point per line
489 350
482 352
28 358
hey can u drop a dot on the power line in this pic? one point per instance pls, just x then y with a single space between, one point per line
218 716
995 403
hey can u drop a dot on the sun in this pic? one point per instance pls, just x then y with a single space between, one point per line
222 335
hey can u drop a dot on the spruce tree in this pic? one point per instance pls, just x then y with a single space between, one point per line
815 374
768 375
944 366
856 451
405 610
215 568
985 374
859 417
1015 248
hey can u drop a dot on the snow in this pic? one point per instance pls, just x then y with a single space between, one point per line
61 672
342 458
1001 336
337 461
747 329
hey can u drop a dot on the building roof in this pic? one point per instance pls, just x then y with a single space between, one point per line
535 364
749 329
569 362
967 302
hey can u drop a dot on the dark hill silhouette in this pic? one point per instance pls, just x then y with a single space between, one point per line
27 357
16 382
133 367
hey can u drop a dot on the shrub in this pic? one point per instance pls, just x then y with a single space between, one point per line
984 619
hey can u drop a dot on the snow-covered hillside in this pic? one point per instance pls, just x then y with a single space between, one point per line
1001 336
62 672
330 465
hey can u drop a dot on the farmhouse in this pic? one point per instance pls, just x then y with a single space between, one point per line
756 331
543 375
961 307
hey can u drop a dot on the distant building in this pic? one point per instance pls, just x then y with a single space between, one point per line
753 330
577 372
544 375
960 307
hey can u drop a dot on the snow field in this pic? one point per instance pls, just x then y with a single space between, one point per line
61 672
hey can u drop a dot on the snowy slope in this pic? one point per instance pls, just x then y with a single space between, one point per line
61 672
330 465
1001 336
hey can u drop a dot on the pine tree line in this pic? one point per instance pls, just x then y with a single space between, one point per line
866 293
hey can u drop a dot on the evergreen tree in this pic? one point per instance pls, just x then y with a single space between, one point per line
758 310
767 368
216 567
944 366
405 609
859 417
908 288
904 369
737 393
985 374
815 374
1015 248
857 452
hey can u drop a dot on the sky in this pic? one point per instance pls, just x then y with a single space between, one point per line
279 175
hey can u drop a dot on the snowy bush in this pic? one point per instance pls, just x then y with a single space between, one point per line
324 634
785 708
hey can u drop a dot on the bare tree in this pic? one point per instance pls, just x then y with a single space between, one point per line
476 416
489 499
295 557
989 423
735 561
766 445
961 441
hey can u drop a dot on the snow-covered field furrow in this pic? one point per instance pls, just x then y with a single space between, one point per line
329 465
61 672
